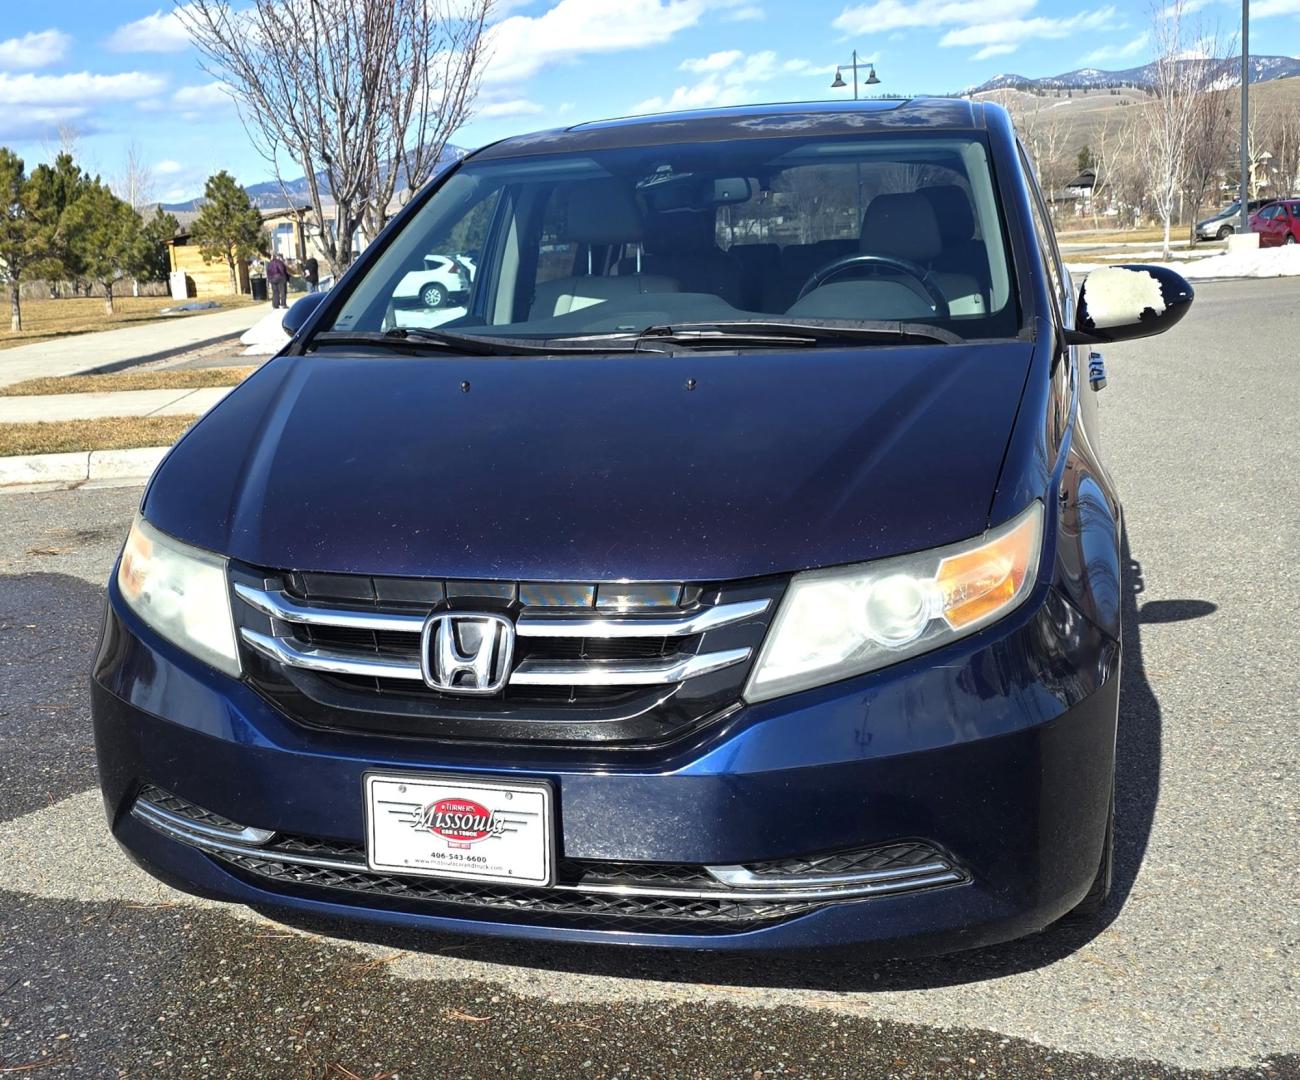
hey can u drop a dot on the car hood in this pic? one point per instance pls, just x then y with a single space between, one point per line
643 467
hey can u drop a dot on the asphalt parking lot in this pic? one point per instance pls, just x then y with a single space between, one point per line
1193 971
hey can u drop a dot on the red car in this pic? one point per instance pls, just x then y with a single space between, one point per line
1278 223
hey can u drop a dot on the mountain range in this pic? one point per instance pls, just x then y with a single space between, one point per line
1228 74
268 195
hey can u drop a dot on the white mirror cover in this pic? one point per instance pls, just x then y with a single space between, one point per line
1118 296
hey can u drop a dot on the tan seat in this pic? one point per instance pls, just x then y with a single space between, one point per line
597 212
906 226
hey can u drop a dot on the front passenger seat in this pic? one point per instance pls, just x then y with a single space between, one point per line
906 226
597 213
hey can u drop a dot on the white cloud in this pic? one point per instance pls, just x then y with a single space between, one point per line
747 13
501 110
1008 35
77 90
213 95
1127 51
883 15
38 122
1264 9
167 167
33 50
993 50
713 62
523 44
161 32
730 78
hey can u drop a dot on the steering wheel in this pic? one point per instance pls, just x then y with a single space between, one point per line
888 262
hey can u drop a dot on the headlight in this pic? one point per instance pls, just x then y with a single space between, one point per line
180 591
835 623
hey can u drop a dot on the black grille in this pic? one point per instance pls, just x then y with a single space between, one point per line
615 716
165 800
890 857
549 907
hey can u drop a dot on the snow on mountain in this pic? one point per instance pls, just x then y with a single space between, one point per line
1226 74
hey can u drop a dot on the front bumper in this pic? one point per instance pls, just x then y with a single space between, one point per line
998 750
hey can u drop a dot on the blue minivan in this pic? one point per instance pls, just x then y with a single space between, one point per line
734 568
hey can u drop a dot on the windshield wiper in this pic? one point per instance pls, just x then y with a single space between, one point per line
420 338
776 334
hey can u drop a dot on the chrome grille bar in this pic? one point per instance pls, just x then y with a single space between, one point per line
698 622
672 669
663 672
280 605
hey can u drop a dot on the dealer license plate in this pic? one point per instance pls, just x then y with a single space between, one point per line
450 827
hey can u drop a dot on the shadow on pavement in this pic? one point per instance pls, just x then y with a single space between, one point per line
1137 790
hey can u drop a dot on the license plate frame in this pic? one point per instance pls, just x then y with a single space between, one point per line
519 847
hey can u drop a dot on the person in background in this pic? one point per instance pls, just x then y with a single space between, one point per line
277 276
311 271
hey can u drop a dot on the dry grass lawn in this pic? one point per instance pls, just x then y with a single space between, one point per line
106 433
44 320
166 379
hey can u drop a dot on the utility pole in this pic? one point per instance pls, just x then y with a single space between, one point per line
1245 118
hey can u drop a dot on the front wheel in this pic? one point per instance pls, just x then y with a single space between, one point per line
1290 238
1224 232
433 295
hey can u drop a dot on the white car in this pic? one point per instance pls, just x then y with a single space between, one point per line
444 278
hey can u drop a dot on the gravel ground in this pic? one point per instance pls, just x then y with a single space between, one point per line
1193 971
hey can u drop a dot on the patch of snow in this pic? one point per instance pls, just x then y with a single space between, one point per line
1256 263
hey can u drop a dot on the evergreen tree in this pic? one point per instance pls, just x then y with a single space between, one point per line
103 236
16 229
55 188
228 226
156 231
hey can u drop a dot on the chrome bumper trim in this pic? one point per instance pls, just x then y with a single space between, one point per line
846 887
176 824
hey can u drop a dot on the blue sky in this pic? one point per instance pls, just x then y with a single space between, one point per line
121 73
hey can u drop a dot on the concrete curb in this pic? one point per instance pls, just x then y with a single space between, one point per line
80 467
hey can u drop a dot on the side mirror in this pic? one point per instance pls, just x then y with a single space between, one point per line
1120 303
303 308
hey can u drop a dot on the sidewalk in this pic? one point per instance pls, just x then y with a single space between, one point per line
50 407
80 353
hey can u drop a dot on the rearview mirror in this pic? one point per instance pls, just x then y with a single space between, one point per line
1120 303
302 310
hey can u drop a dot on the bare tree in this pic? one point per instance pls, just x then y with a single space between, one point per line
134 183
1209 146
361 95
1171 117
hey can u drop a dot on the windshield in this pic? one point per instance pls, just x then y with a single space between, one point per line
826 230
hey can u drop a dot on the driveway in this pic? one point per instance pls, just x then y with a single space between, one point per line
1193 971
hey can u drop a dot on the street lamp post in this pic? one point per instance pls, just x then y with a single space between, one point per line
870 80
1244 195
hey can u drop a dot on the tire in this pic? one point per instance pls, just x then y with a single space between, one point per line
1290 238
1093 903
1224 232
433 295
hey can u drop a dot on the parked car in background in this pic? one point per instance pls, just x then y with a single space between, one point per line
1226 221
443 279
1277 223
736 571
